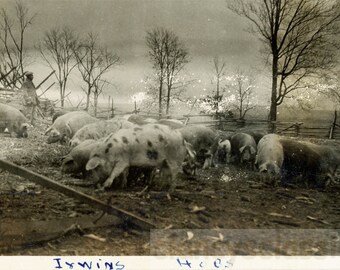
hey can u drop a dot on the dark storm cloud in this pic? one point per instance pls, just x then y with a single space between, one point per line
206 27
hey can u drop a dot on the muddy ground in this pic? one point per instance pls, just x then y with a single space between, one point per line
227 210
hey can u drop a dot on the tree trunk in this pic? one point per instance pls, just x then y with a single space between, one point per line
88 94
160 96
62 95
168 101
95 104
273 105
217 95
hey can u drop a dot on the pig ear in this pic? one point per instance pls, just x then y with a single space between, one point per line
242 149
189 148
262 168
69 129
252 150
92 163
48 130
67 160
25 126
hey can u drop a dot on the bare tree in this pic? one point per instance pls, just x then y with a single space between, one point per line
93 62
299 36
12 40
97 91
176 56
155 40
179 86
243 88
219 72
168 56
57 49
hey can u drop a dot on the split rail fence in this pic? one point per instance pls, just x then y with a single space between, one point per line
314 129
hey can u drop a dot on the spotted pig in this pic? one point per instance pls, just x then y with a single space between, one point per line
99 130
151 145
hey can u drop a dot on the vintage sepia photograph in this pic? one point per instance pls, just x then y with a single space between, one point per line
169 127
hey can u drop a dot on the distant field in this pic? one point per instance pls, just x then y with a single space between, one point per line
313 117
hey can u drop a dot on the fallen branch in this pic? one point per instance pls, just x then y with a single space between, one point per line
49 183
317 220
279 215
289 223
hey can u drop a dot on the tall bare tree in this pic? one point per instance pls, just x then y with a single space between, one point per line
58 51
93 62
242 87
299 35
168 57
176 56
13 30
219 72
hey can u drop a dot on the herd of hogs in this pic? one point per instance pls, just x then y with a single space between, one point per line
109 152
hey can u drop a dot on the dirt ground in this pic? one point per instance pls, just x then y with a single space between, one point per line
227 210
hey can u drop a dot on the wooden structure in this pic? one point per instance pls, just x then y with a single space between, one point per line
327 129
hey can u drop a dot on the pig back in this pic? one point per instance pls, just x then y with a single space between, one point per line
239 140
99 130
269 149
300 159
202 138
11 118
69 123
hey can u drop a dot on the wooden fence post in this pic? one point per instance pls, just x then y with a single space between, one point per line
272 126
112 109
331 132
297 130
240 123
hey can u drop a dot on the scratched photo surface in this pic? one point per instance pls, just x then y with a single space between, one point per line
169 127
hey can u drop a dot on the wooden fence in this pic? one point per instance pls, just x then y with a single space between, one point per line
316 129
324 130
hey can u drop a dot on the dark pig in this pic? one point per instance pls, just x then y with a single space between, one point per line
204 142
301 161
330 160
243 148
256 134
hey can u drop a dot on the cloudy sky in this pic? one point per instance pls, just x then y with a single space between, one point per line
206 27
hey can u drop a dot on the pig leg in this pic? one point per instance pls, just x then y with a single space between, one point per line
123 179
208 161
169 171
117 170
